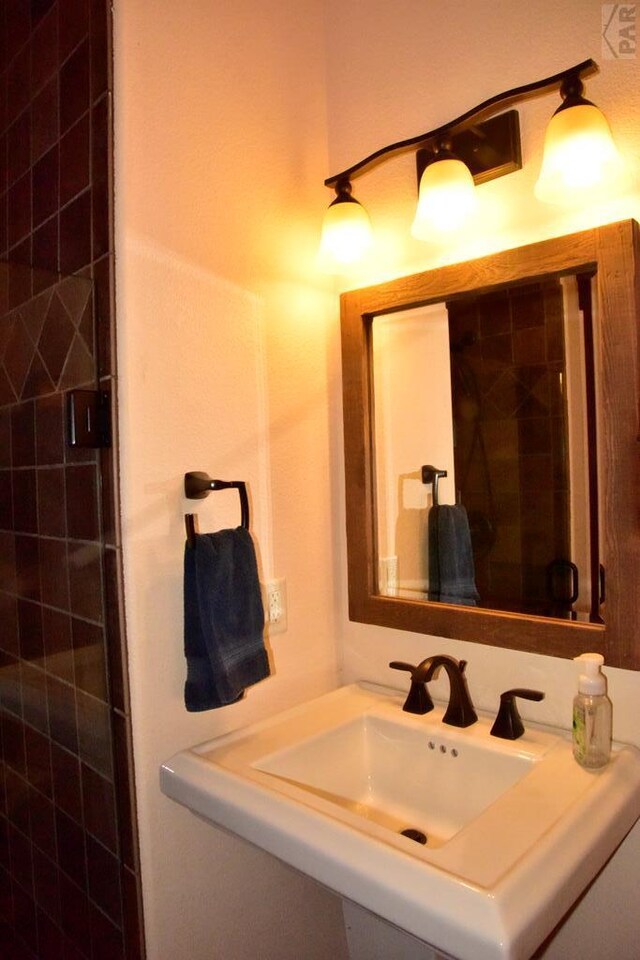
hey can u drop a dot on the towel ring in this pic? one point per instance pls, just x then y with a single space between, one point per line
431 474
198 485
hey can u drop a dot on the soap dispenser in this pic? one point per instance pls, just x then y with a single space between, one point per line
591 714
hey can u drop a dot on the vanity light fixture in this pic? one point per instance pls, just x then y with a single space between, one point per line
472 149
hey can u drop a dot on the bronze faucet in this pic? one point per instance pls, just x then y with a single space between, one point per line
460 711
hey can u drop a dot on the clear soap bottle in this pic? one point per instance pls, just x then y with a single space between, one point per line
591 714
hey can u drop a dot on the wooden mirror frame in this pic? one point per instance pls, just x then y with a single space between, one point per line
612 251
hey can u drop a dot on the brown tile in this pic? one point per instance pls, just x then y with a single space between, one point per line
17 800
6 503
115 631
85 576
45 178
66 782
45 119
47 884
38 755
73 19
7 564
98 799
534 436
82 502
104 312
5 438
106 939
18 147
94 733
75 914
89 658
18 355
61 704
71 849
13 743
30 630
43 828
25 513
56 337
74 86
27 567
54 573
45 245
50 429
58 646
38 382
101 66
18 83
23 434
527 307
19 210
34 696
50 938
44 46
529 345
20 860
52 520
24 915
101 144
74 160
104 880
17 27
124 782
75 233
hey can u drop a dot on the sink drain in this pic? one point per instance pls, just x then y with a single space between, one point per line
416 835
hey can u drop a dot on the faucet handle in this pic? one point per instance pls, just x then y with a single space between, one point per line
418 700
508 724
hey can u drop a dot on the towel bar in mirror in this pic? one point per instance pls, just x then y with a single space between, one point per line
518 375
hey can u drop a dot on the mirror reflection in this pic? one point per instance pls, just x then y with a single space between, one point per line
483 417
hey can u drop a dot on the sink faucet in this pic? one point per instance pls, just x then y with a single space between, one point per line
460 712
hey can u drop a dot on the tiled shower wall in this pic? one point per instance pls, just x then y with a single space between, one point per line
69 877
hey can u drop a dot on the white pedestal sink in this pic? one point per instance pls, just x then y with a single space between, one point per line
509 832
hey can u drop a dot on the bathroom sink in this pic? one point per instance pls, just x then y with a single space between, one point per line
476 845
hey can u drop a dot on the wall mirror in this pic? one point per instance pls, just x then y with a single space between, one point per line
491 448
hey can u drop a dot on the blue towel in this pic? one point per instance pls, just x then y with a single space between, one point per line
451 568
223 619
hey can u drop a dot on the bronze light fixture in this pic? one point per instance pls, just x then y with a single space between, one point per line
474 148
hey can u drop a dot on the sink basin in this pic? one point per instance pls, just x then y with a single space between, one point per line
390 773
476 845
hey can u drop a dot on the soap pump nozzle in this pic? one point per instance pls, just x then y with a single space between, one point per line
592 680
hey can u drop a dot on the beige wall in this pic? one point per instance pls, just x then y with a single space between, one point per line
394 71
226 365
229 362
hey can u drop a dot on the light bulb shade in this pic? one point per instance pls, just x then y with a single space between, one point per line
346 233
580 156
446 198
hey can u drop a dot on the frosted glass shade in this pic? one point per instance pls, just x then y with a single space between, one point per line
346 233
580 157
447 197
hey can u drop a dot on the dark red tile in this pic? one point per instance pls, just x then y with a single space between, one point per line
19 210
17 26
115 631
71 848
27 567
51 502
101 144
54 573
75 233
17 800
73 19
6 501
75 915
101 67
82 502
47 884
25 512
5 438
24 914
18 147
50 429
44 119
22 435
43 827
98 799
62 714
18 355
34 696
50 938
66 782
45 178
89 658
56 338
74 86
20 860
104 880
18 83
45 245
38 755
85 576
13 743
94 734
124 781
44 47
58 646
38 382
106 939
30 630
74 160
103 305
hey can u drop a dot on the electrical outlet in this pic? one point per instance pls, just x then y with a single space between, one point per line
275 606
